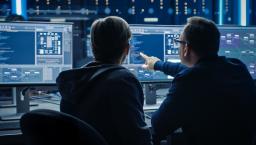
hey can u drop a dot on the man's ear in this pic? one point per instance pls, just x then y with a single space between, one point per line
186 51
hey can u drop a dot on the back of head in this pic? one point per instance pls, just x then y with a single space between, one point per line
109 37
202 35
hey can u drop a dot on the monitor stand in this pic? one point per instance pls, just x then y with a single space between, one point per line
13 101
22 104
150 93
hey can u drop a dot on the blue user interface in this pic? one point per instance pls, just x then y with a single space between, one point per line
34 53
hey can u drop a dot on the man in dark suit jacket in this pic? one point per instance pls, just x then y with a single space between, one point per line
212 98
105 94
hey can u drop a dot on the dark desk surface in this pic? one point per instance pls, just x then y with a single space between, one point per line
10 132
12 127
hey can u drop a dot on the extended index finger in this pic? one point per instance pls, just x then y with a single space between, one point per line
144 55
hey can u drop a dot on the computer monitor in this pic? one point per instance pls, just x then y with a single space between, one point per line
156 40
153 40
239 42
34 53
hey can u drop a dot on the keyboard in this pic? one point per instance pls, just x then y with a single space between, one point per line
11 105
11 117
9 125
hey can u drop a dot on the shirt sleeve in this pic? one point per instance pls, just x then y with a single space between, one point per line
128 114
169 68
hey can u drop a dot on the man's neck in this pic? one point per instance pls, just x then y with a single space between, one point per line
193 60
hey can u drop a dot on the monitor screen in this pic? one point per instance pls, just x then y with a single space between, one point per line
34 52
239 42
153 40
157 40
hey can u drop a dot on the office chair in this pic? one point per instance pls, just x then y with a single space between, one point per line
48 127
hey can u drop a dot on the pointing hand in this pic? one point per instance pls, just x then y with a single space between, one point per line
149 61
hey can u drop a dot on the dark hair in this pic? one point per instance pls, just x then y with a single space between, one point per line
202 35
14 17
109 37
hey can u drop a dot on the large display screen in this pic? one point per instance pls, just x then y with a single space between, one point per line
34 52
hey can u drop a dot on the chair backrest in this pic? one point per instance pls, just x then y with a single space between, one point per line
48 127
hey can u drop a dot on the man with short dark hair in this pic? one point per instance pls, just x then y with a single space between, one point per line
212 98
103 93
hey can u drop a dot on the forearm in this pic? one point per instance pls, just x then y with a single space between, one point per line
169 68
